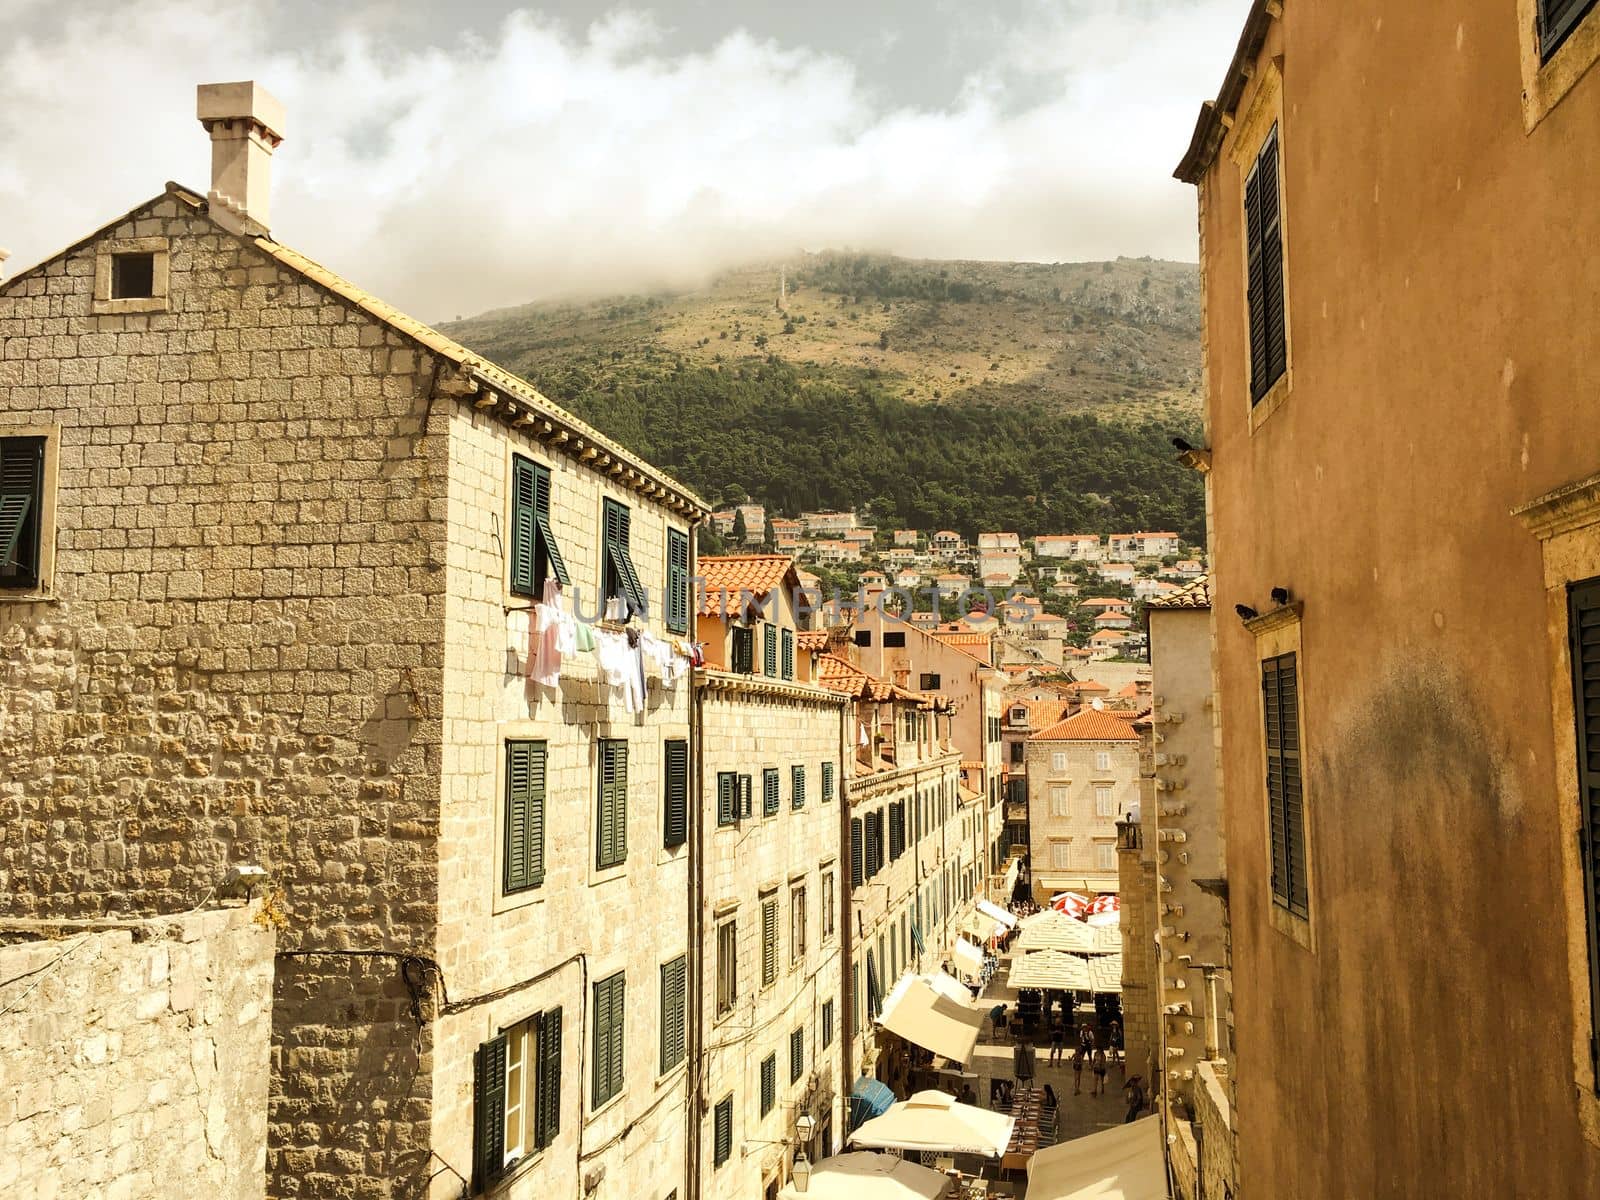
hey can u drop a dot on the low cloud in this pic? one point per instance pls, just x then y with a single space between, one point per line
540 162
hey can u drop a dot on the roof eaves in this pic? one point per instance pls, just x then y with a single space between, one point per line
1209 127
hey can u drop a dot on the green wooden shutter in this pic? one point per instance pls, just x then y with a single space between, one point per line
611 841
1280 705
769 792
722 1138
1264 276
675 793
489 1112
874 993
857 878
21 502
674 976
769 942
610 996
1583 631
622 580
1557 19
788 654
797 785
677 604
548 547
524 526
769 650
744 796
744 640
524 821
827 782
769 1083
797 1054
727 797
547 1090
827 1023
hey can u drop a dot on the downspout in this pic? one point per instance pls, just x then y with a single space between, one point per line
696 1014
846 890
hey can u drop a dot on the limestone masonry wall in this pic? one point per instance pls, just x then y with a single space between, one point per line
134 1057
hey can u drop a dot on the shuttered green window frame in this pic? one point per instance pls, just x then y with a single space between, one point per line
797 785
489 1113
827 782
857 855
1264 277
722 1135
1583 640
771 801
745 785
675 793
618 578
610 1011
674 1010
1557 20
677 601
743 650
769 1083
797 1054
727 798
788 654
524 816
1280 692
827 1023
769 942
21 502
769 651
611 808
534 549
547 1087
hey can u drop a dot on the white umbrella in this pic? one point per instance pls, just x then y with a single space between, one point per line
936 1121
1051 930
865 1176
1049 969
1123 1163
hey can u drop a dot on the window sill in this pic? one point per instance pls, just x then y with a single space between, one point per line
603 875
29 595
1276 395
507 902
514 1172
610 1103
1546 84
1296 928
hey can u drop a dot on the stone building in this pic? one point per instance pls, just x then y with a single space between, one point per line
1083 774
1397 231
1024 716
271 548
771 766
1141 1008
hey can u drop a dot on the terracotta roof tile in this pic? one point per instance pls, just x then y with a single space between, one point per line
1088 725
726 578
1195 595
812 639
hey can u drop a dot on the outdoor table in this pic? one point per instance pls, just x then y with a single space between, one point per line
1027 1107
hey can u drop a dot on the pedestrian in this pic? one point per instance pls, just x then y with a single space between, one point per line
1058 1037
1077 1071
1116 1041
968 1096
1085 1039
1050 1100
1098 1066
1022 1059
1133 1090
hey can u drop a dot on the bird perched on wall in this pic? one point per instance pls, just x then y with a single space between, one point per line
1246 613
1192 456
1180 445
1280 596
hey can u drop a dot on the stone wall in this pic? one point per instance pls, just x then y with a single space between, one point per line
1140 993
134 1056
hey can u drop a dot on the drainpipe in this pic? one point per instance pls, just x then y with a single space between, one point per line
696 999
847 927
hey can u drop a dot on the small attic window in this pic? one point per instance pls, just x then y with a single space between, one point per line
133 276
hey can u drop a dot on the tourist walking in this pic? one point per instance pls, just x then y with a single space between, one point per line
1116 1041
1098 1066
1077 1070
1058 1040
1133 1091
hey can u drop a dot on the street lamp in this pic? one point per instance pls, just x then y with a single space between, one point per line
804 1126
801 1172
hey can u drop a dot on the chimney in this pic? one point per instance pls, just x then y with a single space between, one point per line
245 122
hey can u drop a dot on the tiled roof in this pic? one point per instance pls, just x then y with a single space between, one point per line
1194 595
971 764
1042 714
1088 725
725 578
1104 602
1084 686
839 675
812 639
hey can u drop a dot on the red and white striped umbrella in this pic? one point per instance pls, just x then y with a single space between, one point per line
1071 903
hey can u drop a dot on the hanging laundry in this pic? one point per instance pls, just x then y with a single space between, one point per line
544 657
612 651
634 691
583 637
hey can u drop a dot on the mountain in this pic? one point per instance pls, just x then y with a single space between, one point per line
1035 397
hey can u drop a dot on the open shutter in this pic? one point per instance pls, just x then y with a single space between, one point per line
675 797
1294 817
548 546
625 581
489 1112
874 992
547 1102
743 650
1583 630
1272 261
745 787
677 603
1557 19
769 942
856 862
524 525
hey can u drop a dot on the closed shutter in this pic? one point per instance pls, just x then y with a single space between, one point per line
797 1054
1583 629
788 654
489 1112
674 976
611 840
769 792
610 999
21 497
524 527
744 641
769 1083
797 784
621 579
769 942
769 650
675 793
727 797
525 804
827 782
1264 241
677 603
722 1135
1280 702
827 1023
857 878
547 1100
1557 19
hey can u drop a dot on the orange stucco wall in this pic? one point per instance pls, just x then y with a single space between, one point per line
1443 276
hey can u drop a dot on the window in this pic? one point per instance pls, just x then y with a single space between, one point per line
827 905
722 1126
516 1103
1107 852
675 793
1061 855
797 1054
769 792
894 639
1058 761
827 1023
769 1083
874 843
727 798
863 637
788 654
534 551
524 818
133 276
874 989
855 995
1060 802
677 599
797 924
609 1000
797 785
1264 248
1019 752
1102 760
727 967
857 854
674 1006
1104 806
1557 19
21 505
769 942
769 650
617 576
1583 633
611 817
827 782
1280 694
929 683
742 656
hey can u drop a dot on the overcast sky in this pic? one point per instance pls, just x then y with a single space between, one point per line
459 156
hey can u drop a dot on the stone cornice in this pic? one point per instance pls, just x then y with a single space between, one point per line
709 679
1278 618
1571 506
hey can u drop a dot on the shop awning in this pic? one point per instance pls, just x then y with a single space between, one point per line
922 1014
863 1175
946 985
1117 1164
937 1121
981 927
1052 930
1105 973
868 1099
1014 870
998 913
1050 969
967 957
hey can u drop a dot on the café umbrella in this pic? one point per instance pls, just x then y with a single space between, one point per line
937 1122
